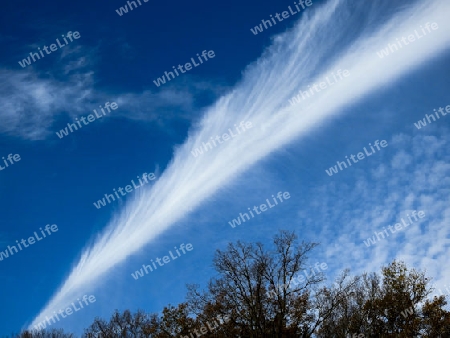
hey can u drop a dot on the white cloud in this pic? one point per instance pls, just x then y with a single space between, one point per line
374 203
31 105
401 160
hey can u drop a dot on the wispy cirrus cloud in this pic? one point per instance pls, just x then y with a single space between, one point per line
32 101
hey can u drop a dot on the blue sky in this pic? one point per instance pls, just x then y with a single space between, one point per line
251 78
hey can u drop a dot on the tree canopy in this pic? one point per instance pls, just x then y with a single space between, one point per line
257 293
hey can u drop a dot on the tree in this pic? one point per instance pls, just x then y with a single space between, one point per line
394 306
124 325
257 290
55 333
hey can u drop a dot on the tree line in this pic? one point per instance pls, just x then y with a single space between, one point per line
256 294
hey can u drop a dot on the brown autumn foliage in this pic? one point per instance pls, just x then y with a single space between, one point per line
245 300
